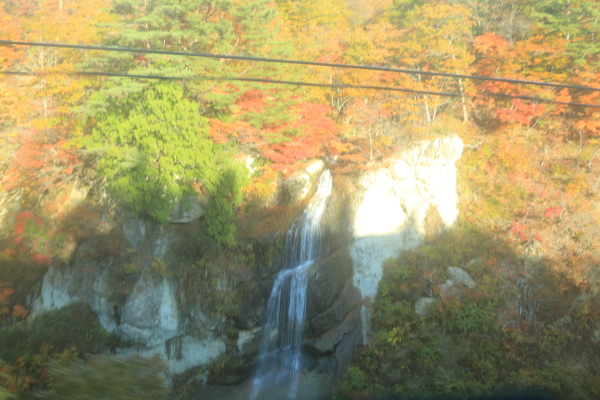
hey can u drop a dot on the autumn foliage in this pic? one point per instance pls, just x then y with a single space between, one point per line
528 176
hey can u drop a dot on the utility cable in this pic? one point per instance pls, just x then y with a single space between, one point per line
297 62
295 83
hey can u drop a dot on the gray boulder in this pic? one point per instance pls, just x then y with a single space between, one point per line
454 287
150 315
423 305
298 186
460 277
188 209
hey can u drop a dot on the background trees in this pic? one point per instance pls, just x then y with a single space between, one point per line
529 176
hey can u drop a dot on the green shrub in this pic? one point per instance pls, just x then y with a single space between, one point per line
69 332
109 378
64 334
153 145
75 325
130 269
4 394
475 344
160 268
220 214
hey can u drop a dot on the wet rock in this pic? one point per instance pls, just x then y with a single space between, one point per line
255 295
298 186
349 298
327 342
326 279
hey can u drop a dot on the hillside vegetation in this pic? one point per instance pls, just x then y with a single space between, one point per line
528 180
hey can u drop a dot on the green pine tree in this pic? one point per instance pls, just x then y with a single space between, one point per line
576 21
220 214
152 137
152 146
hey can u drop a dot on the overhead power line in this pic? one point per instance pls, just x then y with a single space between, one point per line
295 83
297 62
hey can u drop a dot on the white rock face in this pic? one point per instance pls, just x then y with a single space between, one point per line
134 230
392 205
194 352
163 334
150 317
150 314
61 287
151 237
315 167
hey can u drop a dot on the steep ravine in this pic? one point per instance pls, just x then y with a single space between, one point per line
199 308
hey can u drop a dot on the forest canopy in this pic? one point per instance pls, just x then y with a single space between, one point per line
528 177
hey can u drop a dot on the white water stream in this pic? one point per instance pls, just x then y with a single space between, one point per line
279 360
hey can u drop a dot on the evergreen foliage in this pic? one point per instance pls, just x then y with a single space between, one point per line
528 181
220 214
196 25
152 146
574 21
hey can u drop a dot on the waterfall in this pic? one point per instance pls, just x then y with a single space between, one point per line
280 352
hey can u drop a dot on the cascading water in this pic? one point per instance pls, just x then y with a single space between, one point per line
279 361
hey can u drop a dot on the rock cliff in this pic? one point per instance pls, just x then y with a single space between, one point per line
401 206
143 282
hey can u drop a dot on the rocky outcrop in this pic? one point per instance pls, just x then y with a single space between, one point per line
333 311
454 287
397 208
150 314
164 241
298 186
188 209
410 200
301 183
86 280
149 320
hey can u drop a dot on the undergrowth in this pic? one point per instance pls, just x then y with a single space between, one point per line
65 334
521 328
